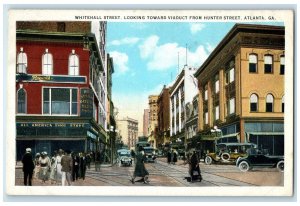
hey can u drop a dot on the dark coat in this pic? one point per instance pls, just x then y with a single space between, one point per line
174 157
28 165
140 170
169 155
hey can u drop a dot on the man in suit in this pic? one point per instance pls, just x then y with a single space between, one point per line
28 167
66 168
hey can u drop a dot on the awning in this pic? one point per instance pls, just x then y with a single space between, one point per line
266 133
230 135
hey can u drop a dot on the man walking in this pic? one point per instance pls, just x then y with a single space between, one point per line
28 167
66 168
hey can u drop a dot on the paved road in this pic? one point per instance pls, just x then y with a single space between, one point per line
163 174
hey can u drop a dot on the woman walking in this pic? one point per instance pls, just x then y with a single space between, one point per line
53 172
140 170
45 165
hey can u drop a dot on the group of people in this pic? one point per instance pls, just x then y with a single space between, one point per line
172 156
62 167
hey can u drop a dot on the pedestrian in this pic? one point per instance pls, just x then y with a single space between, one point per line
53 171
45 165
58 166
174 157
194 167
28 167
140 170
169 157
37 165
66 168
75 168
82 165
88 160
97 161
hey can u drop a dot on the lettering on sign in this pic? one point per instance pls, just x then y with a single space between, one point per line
86 103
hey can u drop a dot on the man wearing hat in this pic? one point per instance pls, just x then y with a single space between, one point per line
28 167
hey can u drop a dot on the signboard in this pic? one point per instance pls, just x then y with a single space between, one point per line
86 103
52 78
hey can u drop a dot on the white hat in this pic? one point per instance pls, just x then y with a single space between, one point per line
28 149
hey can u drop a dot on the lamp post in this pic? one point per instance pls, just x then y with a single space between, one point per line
216 130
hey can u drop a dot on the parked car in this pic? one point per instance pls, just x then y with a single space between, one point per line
228 153
256 158
150 154
124 157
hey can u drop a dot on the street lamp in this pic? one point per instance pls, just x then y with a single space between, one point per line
216 130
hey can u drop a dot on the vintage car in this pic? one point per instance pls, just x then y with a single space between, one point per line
256 158
149 154
228 153
124 157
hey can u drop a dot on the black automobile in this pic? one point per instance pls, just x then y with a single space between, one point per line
257 158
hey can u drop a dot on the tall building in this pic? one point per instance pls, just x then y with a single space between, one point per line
163 110
146 122
128 130
191 128
152 129
181 92
241 89
60 102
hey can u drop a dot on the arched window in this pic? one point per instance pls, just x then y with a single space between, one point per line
22 62
269 103
282 104
252 63
21 97
282 65
73 64
47 61
268 64
253 103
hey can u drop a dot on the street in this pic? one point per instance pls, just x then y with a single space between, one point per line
164 174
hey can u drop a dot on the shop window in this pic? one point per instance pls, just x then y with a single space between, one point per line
269 103
60 101
253 103
47 61
282 65
21 97
22 62
253 63
73 64
268 64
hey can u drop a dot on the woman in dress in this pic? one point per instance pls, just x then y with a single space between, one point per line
140 170
45 165
58 166
53 168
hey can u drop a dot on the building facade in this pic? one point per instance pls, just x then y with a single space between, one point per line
146 120
181 92
59 101
241 88
191 109
163 102
153 107
128 130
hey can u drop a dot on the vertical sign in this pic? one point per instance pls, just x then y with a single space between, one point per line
86 103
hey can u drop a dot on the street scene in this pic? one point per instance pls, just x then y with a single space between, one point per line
175 104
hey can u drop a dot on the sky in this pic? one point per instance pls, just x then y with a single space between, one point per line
149 55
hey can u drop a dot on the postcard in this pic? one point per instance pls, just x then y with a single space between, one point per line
150 103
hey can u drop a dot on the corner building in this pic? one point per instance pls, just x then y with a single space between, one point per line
241 89
59 100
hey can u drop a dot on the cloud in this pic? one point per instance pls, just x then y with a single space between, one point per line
170 55
126 40
196 27
209 47
120 61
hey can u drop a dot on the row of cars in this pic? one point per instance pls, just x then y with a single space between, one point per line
245 156
125 156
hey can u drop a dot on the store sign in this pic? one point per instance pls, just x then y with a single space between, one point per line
86 102
53 125
52 78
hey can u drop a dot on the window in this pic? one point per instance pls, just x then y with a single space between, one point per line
217 113
73 64
231 75
21 97
60 101
253 103
282 104
205 94
22 62
47 62
269 103
282 63
232 106
268 64
252 63
206 117
217 84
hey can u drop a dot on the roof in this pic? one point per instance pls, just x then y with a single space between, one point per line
238 28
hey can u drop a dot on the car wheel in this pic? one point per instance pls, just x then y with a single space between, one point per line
280 166
208 160
244 166
225 157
